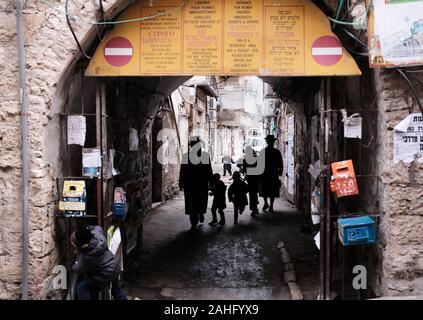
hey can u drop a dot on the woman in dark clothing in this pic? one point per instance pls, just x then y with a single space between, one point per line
195 175
269 181
237 194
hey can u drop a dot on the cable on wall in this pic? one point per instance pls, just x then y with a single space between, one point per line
73 33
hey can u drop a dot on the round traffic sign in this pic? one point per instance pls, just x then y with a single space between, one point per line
118 51
326 50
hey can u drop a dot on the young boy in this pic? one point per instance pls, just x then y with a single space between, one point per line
218 190
96 262
237 194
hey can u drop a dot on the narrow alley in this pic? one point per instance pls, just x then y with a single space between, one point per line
229 262
116 115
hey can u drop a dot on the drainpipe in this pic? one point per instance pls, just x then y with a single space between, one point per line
24 137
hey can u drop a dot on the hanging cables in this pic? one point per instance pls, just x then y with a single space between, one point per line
99 32
413 89
73 33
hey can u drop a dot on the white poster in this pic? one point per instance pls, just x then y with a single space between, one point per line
317 240
91 158
77 129
290 157
408 139
352 127
133 139
396 33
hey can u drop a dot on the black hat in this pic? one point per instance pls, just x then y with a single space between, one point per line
194 140
270 138
235 174
83 236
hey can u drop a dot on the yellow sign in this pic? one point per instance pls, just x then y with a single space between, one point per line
222 37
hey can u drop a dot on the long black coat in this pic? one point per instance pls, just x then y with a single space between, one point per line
237 193
219 195
269 180
194 179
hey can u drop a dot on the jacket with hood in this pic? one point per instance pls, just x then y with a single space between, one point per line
97 261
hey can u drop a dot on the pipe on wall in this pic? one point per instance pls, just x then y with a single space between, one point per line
24 147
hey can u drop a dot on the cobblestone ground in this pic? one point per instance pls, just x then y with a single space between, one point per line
231 262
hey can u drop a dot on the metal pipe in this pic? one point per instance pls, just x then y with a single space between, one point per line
25 158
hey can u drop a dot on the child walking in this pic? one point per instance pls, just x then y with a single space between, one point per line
218 191
237 194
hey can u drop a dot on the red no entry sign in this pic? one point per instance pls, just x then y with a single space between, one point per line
326 50
118 51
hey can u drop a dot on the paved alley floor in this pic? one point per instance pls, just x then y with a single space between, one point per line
230 262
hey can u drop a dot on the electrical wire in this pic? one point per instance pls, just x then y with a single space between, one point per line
413 89
415 78
349 23
355 38
73 33
102 19
112 22
341 4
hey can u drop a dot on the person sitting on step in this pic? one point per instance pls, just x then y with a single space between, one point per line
96 263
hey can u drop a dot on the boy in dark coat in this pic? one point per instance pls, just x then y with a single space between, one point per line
96 262
237 194
218 191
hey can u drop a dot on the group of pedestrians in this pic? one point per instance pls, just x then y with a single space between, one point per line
258 176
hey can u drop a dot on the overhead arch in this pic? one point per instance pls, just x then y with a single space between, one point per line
222 37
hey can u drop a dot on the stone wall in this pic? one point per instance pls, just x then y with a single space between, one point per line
51 54
402 264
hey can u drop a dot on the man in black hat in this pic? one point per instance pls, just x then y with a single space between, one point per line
273 167
195 175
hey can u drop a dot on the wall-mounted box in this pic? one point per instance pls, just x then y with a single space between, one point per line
356 230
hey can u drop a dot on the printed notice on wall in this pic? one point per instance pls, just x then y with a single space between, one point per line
284 35
243 28
408 139
203 37
161 40
396 33
77 129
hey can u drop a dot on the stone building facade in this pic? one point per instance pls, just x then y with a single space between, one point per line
51 64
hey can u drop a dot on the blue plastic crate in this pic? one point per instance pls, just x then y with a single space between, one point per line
119 211
356 230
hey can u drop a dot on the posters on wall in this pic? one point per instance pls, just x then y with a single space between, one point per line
133 139
396 33
408 139
352 125
91 162
77 129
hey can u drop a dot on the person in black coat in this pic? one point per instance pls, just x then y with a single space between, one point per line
270 184
237 194
194 178
218 191
96 263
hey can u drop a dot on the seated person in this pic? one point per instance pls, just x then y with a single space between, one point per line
96 263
